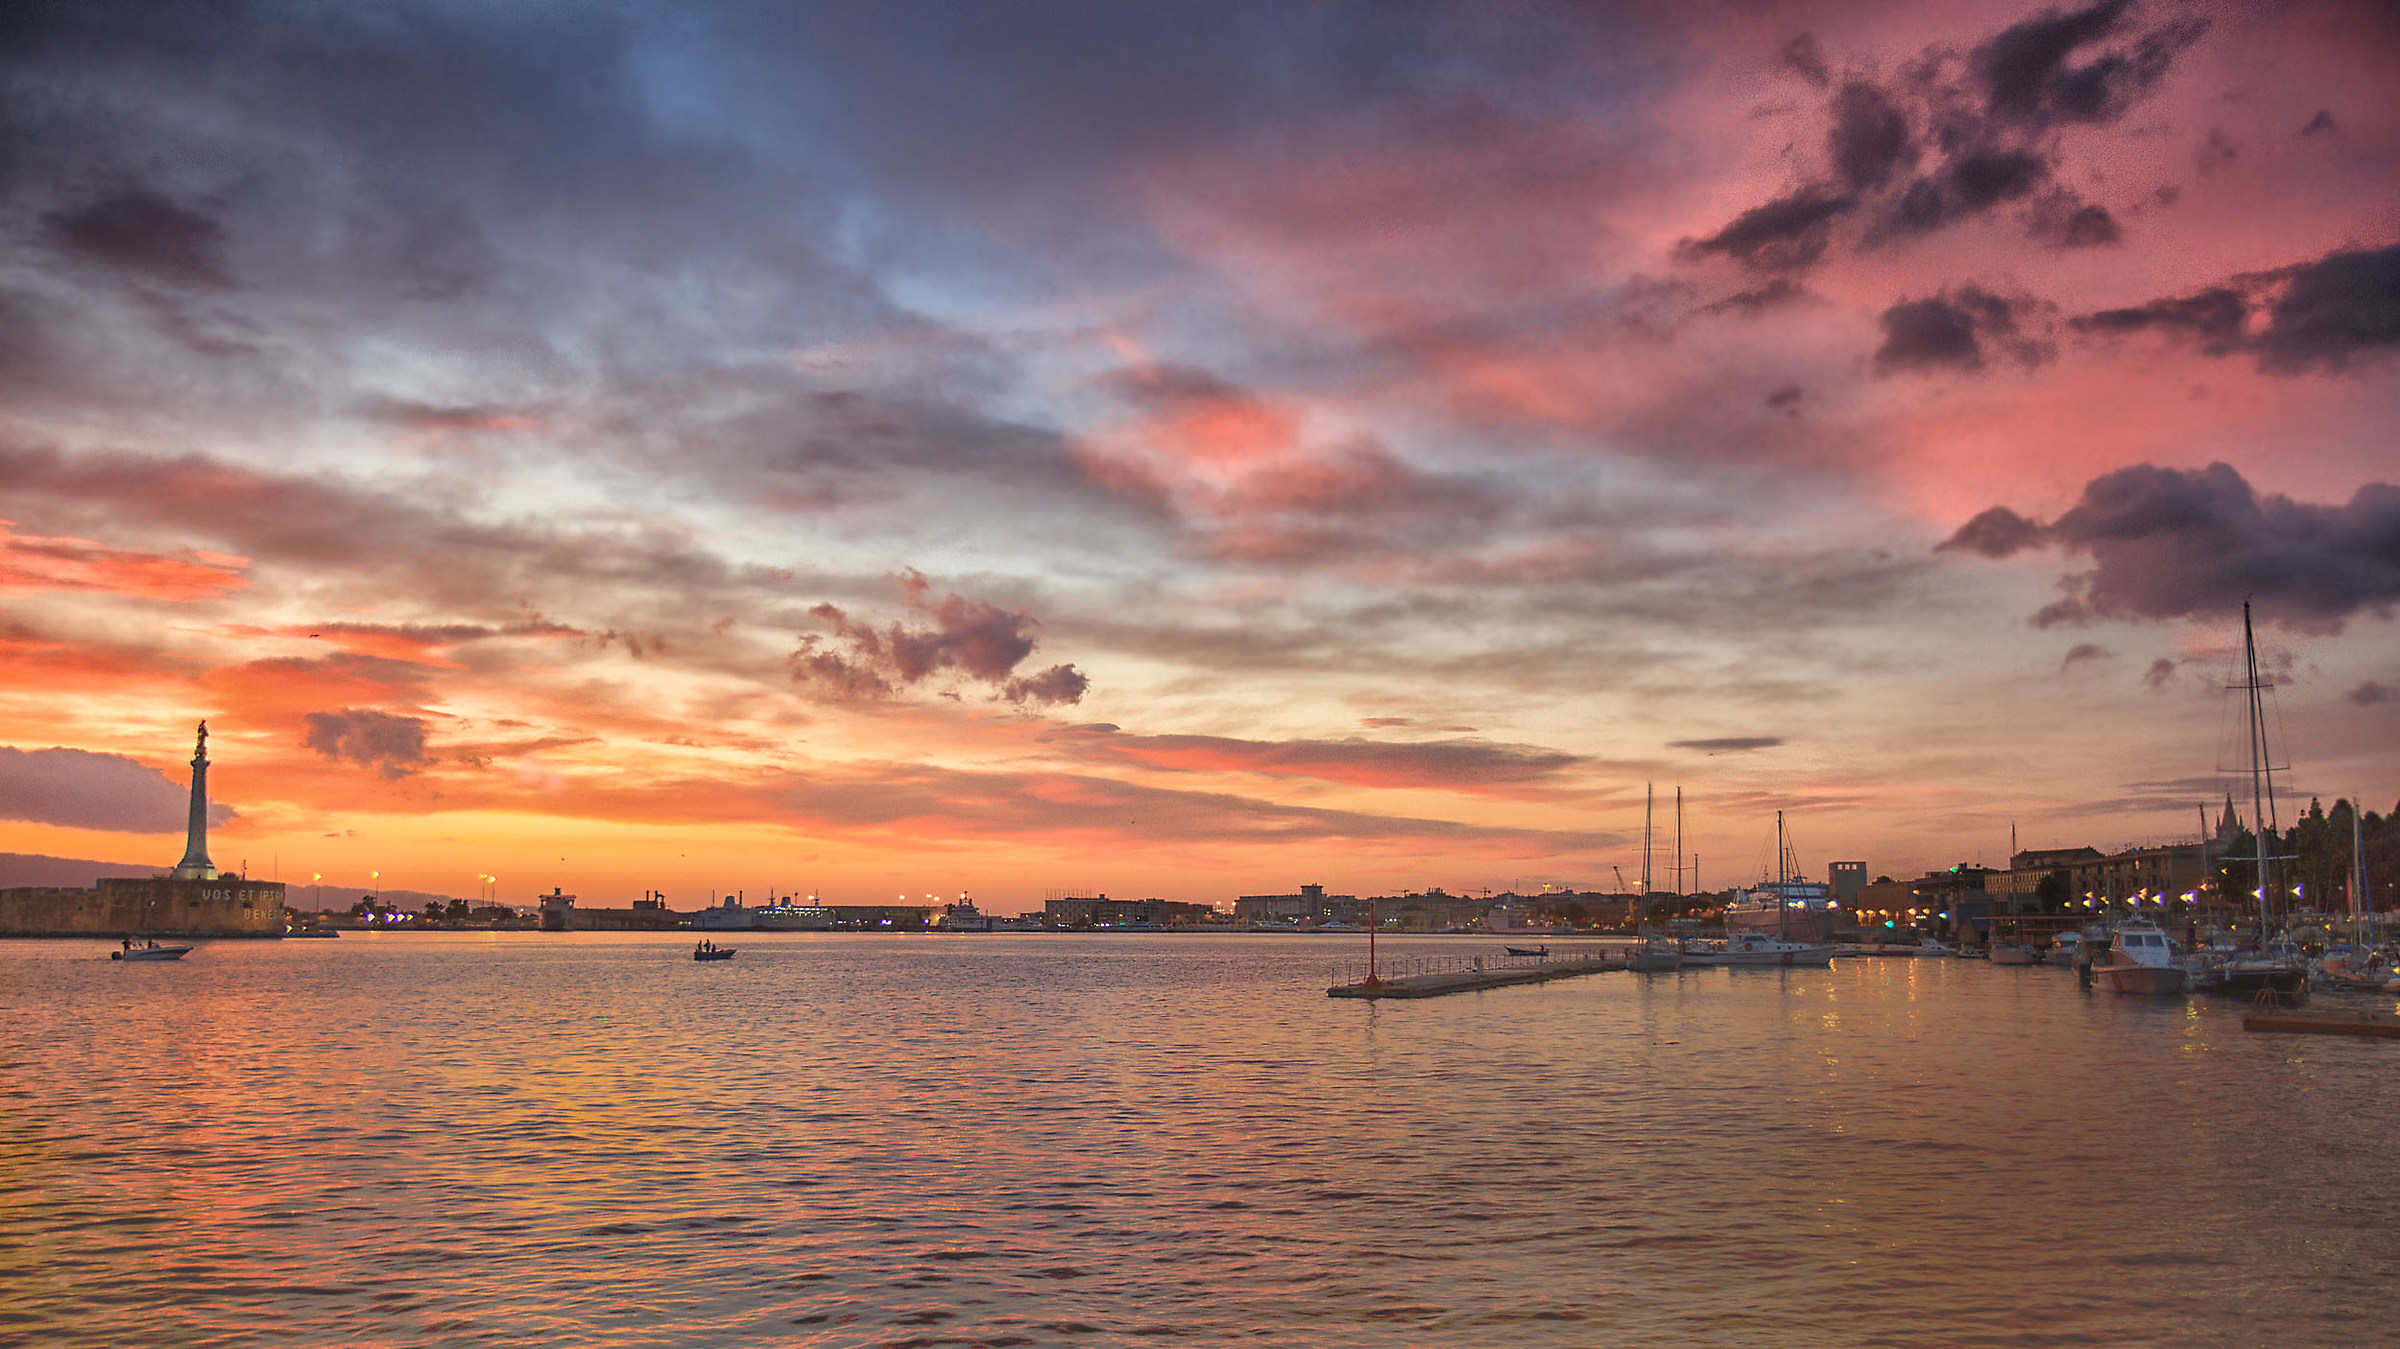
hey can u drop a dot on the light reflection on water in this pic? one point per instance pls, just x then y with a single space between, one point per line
530 1139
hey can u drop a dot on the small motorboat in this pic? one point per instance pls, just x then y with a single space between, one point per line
709 950
1543 951
149 950
2141 960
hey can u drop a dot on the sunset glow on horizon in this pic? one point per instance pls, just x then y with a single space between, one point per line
1185 451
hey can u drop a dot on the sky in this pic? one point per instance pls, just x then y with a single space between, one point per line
1191 450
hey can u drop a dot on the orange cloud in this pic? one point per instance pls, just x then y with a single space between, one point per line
33 562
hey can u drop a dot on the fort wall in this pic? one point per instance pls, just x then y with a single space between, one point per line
145 906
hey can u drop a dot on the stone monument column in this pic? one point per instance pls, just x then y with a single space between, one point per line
195 864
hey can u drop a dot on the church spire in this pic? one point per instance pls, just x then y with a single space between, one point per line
195 865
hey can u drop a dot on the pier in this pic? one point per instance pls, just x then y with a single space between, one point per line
2381 1025
1472 975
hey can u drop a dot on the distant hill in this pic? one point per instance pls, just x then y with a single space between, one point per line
24 868
20 868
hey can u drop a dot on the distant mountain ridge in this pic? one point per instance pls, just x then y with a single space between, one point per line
24 868
20 868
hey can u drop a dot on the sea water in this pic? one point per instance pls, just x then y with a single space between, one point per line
532 1139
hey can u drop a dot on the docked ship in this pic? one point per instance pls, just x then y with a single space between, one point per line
1786 907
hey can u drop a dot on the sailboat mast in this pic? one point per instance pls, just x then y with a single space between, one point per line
2260 783
1679 841
1782 910
2359 907
1649 794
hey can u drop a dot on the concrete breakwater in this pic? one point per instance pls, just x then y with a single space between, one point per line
1471 975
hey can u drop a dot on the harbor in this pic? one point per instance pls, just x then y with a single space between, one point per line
519 1137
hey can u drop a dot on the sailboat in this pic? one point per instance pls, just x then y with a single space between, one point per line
1783 922
1653 954
2267 970
1787 907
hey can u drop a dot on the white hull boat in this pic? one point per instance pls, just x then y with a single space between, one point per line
1752 951
2141 960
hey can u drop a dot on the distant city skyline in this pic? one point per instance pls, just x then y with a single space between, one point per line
1185 451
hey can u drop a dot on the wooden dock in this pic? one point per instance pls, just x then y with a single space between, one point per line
1475 980
2382 1025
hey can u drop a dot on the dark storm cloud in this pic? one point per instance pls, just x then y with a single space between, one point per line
975 639
1988 123
2069 224
1870 136
393 746
1787 233
1967 186
1730 744
140 231
1958 329
1057 685
2030 73
2331 314
2341 307
1997 532
78 789
2177 543
2213 319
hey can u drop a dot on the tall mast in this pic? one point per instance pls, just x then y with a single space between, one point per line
1679 840
1648 794
2359 905
2262 781
1782 911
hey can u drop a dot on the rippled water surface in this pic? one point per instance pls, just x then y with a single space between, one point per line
575 1139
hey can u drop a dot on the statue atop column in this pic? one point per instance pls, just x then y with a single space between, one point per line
195 865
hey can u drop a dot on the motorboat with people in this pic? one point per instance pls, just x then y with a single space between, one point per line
129 949
709 950
2141 960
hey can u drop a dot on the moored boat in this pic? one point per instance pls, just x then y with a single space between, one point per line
1757 951
2248 975
2141 960
1655 955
